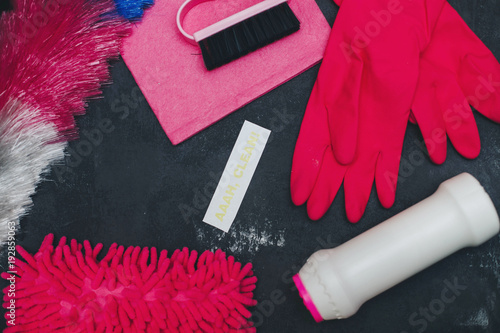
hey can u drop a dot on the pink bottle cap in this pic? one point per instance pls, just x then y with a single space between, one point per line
308 302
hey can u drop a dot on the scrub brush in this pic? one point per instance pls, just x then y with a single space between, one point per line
65 288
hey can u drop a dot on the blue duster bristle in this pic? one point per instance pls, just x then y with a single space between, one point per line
133 10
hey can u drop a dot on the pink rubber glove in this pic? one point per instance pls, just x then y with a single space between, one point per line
356 118
316 175
456 69
374 44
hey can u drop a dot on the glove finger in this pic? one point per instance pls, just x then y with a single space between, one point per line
460 123
326 187
413 119
358 183
455 46
306 166
313 142
387 167
386 177
428 114
479 77
339 80
343 111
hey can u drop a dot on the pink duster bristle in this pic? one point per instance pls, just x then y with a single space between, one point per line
65 288
53 58
54 55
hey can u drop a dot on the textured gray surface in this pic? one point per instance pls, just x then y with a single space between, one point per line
124 182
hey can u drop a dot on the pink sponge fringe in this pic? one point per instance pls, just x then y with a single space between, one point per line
53 55
63 289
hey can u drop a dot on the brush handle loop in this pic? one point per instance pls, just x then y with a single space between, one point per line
223 24
181 14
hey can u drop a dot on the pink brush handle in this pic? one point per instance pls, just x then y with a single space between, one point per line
223 24
181 14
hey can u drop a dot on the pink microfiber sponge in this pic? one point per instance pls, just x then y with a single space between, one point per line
65 289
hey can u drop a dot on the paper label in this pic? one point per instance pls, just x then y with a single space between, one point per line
237 175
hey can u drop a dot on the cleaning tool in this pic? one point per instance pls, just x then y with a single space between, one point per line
334 283
60 65
356 118
185 97
66 288
53 59
456 70
133 10
241 33
29 144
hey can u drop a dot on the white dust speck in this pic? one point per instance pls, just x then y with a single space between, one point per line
489 261
243 238
252 238
480 319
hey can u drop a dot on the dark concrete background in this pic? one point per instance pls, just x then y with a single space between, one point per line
133 187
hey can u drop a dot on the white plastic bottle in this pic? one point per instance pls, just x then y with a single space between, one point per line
335 283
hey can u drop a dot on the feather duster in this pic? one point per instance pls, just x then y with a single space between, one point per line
27 148
53 58
133 10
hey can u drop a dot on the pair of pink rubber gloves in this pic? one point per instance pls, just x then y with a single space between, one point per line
387 62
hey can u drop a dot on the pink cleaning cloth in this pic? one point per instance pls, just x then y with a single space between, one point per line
184 95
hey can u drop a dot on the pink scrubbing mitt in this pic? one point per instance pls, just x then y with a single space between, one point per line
64 289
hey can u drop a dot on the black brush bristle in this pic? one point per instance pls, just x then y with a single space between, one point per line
248 36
